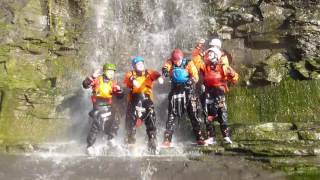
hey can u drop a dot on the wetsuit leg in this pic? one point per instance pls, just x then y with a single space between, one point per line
130 124
172 119
94 129
150 122
111 126
192 109
223 116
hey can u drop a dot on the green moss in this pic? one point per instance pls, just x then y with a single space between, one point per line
289 101
306 174
27 116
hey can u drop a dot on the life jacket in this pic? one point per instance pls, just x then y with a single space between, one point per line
214 77
102 90
179 74
144 81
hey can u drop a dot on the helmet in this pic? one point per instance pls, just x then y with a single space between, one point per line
176 54
214 54
201 41
215 42
136 59
109 66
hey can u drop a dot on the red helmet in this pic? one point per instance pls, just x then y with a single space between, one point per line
176 55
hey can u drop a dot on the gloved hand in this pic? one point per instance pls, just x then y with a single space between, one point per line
160 79
165 72
190 82
116 88
96 74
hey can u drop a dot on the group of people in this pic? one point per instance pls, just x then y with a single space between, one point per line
211 66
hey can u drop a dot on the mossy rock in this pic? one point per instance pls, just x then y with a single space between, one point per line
32 118
279 149
266 131
302 69
20 148
310 135
307 125
289 101
251 134
295 166
314 63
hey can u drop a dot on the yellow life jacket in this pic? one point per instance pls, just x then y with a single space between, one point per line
103 89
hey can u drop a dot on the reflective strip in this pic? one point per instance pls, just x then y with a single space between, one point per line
176 96
104 115
140 109
209 101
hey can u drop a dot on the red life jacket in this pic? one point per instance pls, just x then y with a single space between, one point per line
213 76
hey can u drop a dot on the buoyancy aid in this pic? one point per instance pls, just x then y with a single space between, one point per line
102 90
214 77
179 74
144 81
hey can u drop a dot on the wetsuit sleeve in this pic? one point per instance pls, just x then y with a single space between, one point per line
193 72
232 75
197 60
166 68
225 63
127 80
154 75
196 51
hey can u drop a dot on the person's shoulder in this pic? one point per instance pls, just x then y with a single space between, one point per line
129 73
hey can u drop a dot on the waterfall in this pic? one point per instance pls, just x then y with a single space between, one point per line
149 28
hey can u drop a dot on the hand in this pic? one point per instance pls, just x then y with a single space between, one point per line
116 88
96 73
160 79
165 72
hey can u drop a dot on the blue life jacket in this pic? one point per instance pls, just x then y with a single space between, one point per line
179 74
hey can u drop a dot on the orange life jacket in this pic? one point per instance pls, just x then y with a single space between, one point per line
145 80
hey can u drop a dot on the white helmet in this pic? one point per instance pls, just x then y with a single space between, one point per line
214 54
216 42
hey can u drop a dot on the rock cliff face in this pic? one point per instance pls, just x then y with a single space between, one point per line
258 30
38 45
273 42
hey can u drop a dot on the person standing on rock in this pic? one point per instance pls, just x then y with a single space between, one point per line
198 53
103 88
215 78
140 102
183 74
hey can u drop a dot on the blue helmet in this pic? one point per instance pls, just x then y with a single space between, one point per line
136 59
